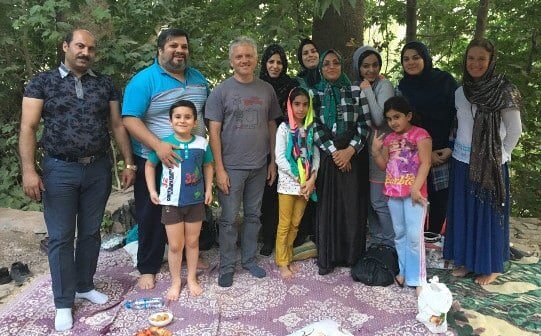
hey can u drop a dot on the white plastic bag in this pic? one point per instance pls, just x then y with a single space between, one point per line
434 302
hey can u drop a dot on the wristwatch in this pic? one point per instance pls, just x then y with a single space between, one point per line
131 167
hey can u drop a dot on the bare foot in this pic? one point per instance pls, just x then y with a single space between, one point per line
202 264
418 290
294 268
194 287
460 272
399 280
146 281
486 279
174 292
285 272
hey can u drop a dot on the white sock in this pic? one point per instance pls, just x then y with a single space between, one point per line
63 319
93 296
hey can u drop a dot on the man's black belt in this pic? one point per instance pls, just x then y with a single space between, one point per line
82 160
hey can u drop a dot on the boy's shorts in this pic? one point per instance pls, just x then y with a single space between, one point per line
188 214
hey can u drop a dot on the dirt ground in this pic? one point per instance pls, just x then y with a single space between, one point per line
21 242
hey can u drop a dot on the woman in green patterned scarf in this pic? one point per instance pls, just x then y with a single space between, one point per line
341 133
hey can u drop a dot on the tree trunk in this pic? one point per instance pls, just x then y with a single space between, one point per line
343 32
533 51
482 13
411 20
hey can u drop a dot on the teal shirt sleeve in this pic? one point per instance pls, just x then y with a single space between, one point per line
208 158
153 158
137 96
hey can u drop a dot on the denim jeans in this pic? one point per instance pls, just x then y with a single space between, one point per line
75 196
379 218
246 187
408 221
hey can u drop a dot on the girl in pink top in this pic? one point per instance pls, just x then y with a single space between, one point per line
405 156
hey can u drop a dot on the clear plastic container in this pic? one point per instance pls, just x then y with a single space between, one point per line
145 303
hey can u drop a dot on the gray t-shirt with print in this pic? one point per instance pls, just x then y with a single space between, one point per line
244 109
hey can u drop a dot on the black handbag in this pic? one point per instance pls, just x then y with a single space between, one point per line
378 266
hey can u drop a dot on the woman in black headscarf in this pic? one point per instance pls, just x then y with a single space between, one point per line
489 127
274 71
431 93
308 57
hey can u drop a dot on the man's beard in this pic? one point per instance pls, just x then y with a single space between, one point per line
181 66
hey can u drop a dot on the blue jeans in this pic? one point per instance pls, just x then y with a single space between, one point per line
379 218
408 220
75 196
246 187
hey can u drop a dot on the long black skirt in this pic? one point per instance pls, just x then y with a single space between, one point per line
341 211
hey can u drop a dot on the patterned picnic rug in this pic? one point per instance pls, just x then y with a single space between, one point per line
509 306
268 306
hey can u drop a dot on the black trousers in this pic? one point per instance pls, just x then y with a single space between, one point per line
151 233
269 214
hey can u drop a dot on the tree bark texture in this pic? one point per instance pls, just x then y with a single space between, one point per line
343 32
411 20
482 14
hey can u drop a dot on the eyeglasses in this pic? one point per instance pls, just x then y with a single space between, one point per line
328 64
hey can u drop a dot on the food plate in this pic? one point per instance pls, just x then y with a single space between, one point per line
154 331
160 319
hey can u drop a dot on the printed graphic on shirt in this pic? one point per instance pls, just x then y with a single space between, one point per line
246 112
184 184
403 162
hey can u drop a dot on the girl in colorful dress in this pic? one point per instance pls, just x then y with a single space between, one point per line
489 127
297 159
405 156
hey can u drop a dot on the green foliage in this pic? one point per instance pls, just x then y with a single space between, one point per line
106 223
31 31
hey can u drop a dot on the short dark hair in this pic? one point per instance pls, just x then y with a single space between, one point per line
183 103
69 36
397 103
165 35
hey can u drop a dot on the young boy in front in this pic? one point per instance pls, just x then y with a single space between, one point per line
184 189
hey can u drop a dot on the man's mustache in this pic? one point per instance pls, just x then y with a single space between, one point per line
86 58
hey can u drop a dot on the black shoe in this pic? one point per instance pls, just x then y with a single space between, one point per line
324 271
4 276
266 250
19 272
225 280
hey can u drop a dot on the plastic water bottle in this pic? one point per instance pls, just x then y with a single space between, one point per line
145 303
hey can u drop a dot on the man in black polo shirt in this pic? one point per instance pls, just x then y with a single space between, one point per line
77 106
